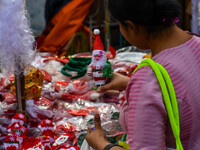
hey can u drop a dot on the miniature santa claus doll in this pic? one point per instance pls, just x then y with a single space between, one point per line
11 142
47 128
99 68
16 128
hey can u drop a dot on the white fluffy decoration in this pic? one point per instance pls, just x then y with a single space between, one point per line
16 39
96 31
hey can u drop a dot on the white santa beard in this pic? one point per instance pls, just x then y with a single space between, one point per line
99 63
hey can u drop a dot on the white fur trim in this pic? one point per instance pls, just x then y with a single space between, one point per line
94 52
96 31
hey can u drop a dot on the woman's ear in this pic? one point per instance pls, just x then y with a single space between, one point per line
131 26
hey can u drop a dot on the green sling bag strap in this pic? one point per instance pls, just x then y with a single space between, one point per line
169 97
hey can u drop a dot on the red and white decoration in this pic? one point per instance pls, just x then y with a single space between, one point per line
98 61
62 143
47 128
11 142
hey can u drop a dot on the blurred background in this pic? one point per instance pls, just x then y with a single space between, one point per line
42 11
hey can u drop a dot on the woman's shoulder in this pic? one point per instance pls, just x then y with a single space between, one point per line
142 74
187 47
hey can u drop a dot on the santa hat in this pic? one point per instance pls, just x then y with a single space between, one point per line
20 116
98 45
46 123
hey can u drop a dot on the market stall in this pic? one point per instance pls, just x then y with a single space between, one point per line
59 107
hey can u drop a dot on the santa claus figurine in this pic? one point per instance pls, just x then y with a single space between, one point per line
11 142
47 128
99 68
17 129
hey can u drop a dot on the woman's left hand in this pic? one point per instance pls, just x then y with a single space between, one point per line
97 138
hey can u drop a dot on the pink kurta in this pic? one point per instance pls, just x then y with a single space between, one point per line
144 116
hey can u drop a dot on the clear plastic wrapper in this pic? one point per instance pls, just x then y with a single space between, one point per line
78 86
131 54
64 126
59 110
47 76
5 119
127 59
39 109
8 109
3 128
77 89
90 95
75 109
54 69
38 61
4 82
48 91
79 121
9 98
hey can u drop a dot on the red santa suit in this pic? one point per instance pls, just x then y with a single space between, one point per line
97 74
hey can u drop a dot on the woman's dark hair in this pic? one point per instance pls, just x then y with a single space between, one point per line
155 15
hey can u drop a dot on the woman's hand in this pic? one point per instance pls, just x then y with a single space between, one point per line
97 138
118 82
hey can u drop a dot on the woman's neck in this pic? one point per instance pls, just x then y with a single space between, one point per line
171 38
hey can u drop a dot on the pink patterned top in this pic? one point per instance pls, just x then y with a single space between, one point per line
143 115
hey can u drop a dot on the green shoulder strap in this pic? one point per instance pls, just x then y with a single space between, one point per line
169 97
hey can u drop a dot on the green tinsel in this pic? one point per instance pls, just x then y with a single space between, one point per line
107 70
115 115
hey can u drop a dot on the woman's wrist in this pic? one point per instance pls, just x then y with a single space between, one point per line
102 145
125 82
